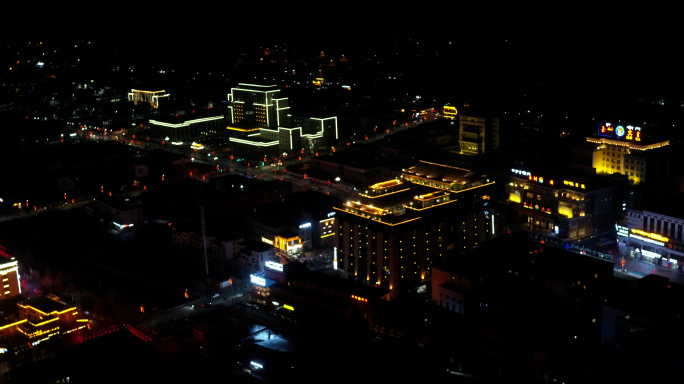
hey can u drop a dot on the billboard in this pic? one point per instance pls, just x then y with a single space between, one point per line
619 132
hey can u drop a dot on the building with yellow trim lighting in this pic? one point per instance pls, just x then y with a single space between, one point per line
623 149
478 135
150 97
393 232
39 319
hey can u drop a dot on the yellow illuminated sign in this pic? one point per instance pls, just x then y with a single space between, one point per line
282 243
573 184
536 207
291 308
450 111
653 236
538 179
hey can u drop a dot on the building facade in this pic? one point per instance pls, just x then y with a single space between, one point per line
397 229
565 206
261 123
478 135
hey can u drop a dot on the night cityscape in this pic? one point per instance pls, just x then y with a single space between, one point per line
344 199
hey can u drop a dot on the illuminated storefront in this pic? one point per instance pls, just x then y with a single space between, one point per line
261 290
288 246
647 246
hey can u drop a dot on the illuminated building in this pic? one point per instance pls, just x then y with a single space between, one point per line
306 218
655 233
258 105
39 319
261 123
563 205
9 271
478 135
150 97
261 288
180 128
395 230
622 149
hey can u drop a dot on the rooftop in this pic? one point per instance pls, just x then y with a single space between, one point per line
45 305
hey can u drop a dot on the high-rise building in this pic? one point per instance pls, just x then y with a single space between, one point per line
9 272
149 97
258 105
478 134
261 118
397 229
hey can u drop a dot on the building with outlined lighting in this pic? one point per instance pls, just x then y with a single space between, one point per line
260 123
395 230
9 271
478 135
40 318
624 150
179 129
151 97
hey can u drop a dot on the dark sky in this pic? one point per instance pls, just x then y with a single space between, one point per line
630 51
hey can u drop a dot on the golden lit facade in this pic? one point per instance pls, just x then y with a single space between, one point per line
478 135
623 156
397 229
150 97
567 207
9 272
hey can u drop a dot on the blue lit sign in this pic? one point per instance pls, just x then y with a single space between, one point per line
257 280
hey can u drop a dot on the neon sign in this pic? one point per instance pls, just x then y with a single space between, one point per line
573 184
653 236
284 244
538 179
622 231
536 207
274 266
519 172
257 280
628 132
